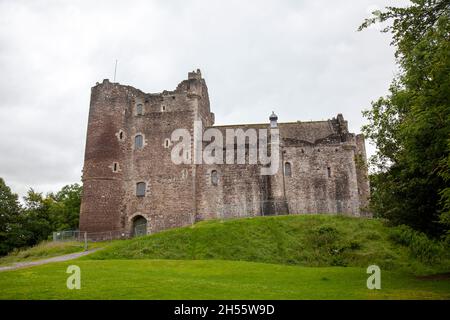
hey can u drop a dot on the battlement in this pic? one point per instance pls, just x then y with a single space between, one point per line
312 132
189 84
195 75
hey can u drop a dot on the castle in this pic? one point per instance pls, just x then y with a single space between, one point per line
132 186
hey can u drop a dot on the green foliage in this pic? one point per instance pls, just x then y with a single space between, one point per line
421 247
411 126
36 221
27 225
305 240
43 215
65 208
9 211
445 193
323 236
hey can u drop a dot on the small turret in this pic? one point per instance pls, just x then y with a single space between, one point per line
195 75
273 120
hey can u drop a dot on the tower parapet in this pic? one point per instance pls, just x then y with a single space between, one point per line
195 75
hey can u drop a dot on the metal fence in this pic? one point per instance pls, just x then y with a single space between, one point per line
81 236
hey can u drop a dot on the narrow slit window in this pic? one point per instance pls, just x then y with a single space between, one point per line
140 189
287 169
139 109
139 141
214 178
115 167
329 172
184 174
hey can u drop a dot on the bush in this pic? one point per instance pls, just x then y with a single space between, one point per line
370 235
421 247
324 236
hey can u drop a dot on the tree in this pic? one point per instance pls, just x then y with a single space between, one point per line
411 126
36 221
27 225
65 208
9 213
54 212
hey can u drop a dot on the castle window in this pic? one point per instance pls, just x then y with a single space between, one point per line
115 167
121 135
184 174
329 172
139 141
140 189
214 178
139 109
166 143
287 169
163 108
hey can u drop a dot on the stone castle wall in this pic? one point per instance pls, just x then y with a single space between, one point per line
328 165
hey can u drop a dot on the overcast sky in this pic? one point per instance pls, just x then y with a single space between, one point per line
302 59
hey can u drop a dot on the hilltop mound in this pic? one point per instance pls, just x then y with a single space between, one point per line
305 240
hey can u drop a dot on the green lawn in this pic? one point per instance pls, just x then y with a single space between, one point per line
284 257
212 279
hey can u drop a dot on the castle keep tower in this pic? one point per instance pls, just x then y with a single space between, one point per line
128 174
131 185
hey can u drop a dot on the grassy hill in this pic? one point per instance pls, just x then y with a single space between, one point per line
284 257
303 240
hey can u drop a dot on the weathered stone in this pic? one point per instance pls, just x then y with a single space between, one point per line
328 165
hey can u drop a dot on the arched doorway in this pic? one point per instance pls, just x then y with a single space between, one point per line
139 226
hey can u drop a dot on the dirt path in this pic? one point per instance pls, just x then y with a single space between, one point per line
65 257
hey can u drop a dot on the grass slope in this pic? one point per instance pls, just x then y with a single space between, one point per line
45 250
303 240
212 279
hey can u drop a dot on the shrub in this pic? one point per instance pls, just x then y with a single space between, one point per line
370 235
421 247
323 236
354 245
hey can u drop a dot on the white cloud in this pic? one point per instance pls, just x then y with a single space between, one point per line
302 59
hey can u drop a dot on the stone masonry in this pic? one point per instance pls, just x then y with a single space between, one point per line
130 181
